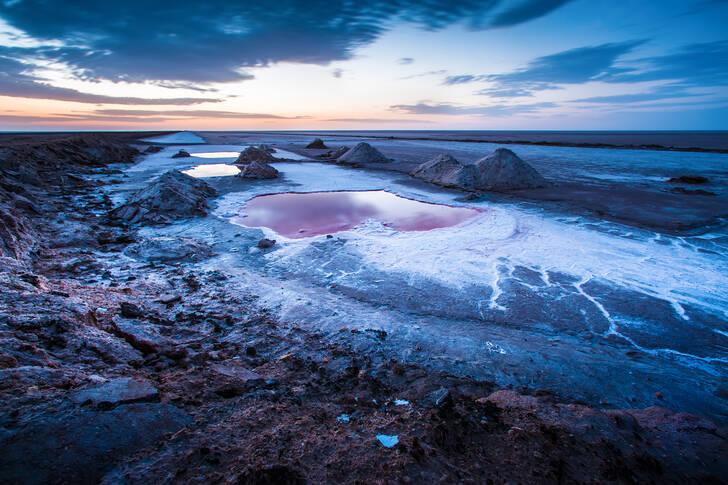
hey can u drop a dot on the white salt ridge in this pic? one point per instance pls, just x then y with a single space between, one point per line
181 138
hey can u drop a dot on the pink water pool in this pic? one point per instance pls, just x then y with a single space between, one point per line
298 215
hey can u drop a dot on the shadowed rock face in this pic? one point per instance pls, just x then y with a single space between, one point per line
258 170
363 153
180 154
317 143
501 170
173 196
254 154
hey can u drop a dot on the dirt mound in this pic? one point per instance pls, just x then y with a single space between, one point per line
172 196
362 153
317 143
254 154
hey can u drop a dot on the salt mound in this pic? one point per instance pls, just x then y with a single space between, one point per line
317 143
363 153
258 170
441 170
172 196
502 170
254 154
180 154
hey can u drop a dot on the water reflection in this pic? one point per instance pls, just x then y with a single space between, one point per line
297 215
212 170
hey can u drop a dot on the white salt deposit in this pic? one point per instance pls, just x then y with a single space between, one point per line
181 138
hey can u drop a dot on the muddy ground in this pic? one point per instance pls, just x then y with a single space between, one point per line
157 372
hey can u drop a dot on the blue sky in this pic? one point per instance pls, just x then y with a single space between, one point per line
397 64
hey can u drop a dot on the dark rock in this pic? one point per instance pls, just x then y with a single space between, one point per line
170 249
682 190
17 236
181 154
238 372
155 149
317 143
123 390
254 154
79 448
130 310
362 153
141 336
266 243
267 148
439 399
172 196
258 170
689 179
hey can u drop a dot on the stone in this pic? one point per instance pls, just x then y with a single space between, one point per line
123 390
171 197
317 143
169 249
130 310
237 372
258 170
438 399
362 153
142 337
155 149
266 243
181 154
254 154
689 179
81 447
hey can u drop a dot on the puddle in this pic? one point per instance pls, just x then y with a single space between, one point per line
212 170
282 154
299 215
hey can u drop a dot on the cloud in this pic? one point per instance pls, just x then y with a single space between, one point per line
450 109
216 40
695 65
657 94
337 73
15 83
525 11
376 120
198 113
406 60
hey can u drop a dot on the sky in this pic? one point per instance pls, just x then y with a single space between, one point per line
352 65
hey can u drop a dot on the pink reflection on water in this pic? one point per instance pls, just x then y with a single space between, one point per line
298 215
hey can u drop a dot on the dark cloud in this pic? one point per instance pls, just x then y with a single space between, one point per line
15 83
196 113
406 60
450 109
525 11
215 40
695 65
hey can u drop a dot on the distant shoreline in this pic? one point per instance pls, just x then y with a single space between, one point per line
376 134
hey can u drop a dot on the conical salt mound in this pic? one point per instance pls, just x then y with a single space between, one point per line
254 154
503 170
362 153
317 143
441 170
258 170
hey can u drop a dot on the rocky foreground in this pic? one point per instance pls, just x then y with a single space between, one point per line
166 374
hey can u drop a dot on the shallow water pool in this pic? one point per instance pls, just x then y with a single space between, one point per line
298 215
